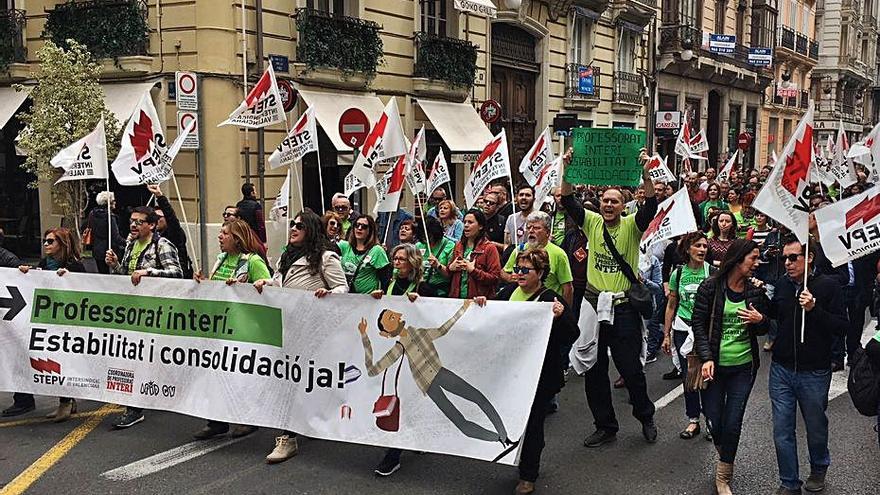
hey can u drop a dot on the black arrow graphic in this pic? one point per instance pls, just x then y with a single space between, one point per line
15 303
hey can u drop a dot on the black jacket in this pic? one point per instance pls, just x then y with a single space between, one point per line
710 300
174 232
97 221
8 259
563 333
73 266
824 321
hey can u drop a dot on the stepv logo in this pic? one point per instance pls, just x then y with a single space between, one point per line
49 372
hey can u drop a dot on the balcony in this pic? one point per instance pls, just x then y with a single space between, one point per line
444 67
582 86
802 44
805 99
786 38
110 29
814 50
628 92
336 51
13 52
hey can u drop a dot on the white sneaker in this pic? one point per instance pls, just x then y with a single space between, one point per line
285 448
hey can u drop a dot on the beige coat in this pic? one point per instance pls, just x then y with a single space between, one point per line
331 276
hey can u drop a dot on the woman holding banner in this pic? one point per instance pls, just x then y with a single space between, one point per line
364 261
475 267
309 263
436 261
61 252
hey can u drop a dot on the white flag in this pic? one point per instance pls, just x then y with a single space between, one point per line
493 163
849 228
658 171
841 166
278 212
773 158
352 184
261 107
418 152
302 139
674 217
84 159
390 187
548 179
439 173
385 140
724 173
143 157
785 196
688 146
537 158
867 151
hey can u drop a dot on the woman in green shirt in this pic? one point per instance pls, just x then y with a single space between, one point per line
683 285
435 261
730 311
238 262
713 198
364 262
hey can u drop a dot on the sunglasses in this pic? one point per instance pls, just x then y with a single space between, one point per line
226 215
489 203
48 241
341 208
137 221
333 223
791 258
522 270
298 226
362 226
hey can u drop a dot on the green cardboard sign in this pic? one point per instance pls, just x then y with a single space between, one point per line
605 157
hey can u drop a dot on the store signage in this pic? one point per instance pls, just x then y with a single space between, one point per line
585 80
667 123
722 43
761 57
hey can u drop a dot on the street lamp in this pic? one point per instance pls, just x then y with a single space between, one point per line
687 50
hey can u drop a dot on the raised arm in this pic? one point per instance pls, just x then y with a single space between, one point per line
436 333
387 360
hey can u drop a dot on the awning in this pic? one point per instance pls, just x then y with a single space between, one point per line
458 124
10 102
330 106
481 7
121 98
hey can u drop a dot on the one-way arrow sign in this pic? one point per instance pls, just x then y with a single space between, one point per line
15 303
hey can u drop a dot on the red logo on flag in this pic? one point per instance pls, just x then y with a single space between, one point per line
654 226
259 90
538 148
797 165
487 152
866 210
301 124
142 137
45 366
377 132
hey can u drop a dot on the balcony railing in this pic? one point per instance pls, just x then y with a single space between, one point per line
108 28
791 101
814 50
12 46
446 59
577 83
672 37
337 42
805 99
802 44
786 37
628 88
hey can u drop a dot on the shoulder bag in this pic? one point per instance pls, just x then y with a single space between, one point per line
639 295
694 380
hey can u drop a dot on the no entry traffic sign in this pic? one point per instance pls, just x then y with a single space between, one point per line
184 119
187 96
354 127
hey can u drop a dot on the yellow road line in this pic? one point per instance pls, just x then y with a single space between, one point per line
34 421
30 475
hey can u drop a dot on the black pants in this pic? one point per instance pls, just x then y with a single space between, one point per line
23 398
577 298
856 304
533 439
625 340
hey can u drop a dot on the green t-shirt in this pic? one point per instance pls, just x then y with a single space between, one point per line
687 287
558 228
443 252
257 269
519 295
136 251
736 348
371 262
603 273
560 270
705 205
877 336
346 224
464 274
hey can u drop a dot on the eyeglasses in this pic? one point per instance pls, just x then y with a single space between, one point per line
489 203
298 226
137 221
522 270
48 241
791 258
362 226
341 208
333 223
437 200
226 214
398 259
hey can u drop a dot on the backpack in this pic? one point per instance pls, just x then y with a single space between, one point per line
863 383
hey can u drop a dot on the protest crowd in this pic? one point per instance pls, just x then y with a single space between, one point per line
715 296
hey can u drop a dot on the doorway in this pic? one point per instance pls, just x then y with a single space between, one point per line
713 127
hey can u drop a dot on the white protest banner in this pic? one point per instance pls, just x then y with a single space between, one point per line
548 179
418 152
282 359
390 187
301 140
493 163
352 184
143 157
867 150
439 173
278 213
841 166
385 141
261 107
84 159
658 171
724 173
674 217
850 228
785 197
688 146
536 159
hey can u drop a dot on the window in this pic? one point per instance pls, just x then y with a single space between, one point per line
692 113
720 15
763 23
336 7
773 138
433 16
792 13
844 40
805 22
626 51
581 40
667 102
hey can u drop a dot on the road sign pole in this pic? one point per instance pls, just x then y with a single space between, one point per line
203 191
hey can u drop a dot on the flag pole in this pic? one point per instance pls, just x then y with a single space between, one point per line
806 273
109 216
186 222
296 178
424 223
320 174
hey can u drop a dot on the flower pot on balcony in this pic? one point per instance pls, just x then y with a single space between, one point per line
328 77
16 72
423 86
134 65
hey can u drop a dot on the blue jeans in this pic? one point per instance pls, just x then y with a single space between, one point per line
724 404
691 398
809 390
655 324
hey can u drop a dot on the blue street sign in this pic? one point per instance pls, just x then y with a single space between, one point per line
585 80
280 63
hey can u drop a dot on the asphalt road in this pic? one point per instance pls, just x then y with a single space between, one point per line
629 466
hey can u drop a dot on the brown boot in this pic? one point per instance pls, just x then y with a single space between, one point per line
65 409
723 477
524 488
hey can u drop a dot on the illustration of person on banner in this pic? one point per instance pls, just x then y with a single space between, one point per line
434 380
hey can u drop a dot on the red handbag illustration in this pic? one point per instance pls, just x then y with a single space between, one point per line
387 407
